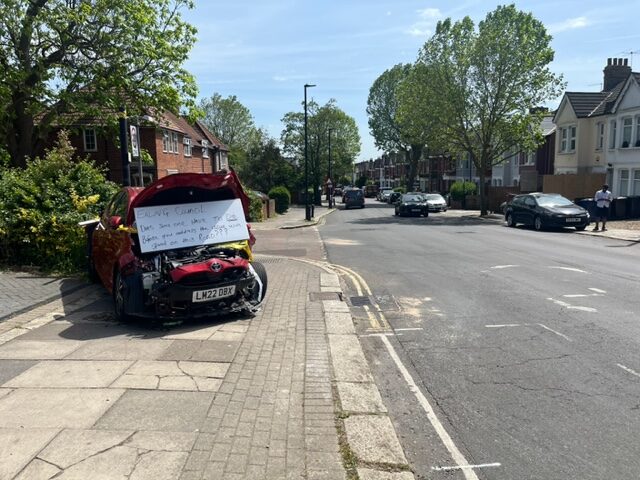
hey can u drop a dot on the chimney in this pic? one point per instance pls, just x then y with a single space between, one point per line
616 71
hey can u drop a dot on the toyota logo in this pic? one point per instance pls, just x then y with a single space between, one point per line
216 267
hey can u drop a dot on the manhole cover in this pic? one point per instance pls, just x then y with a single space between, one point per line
319 296
359 301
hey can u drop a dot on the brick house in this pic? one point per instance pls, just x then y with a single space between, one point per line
175 145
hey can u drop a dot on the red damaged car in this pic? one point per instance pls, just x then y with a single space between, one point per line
179 248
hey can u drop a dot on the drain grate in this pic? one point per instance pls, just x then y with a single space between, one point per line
319 296
359 301
269 259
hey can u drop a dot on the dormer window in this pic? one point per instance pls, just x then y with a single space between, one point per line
568 139
186 142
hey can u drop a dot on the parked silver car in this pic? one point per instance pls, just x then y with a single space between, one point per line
436 202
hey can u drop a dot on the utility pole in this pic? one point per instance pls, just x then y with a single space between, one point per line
330 175
124 152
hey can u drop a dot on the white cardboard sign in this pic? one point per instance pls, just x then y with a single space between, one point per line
167 227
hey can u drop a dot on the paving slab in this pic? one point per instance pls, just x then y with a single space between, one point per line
335 306
21 349
54 408
62 329
12 368
38 470
124 349
72 446
201 351
191 332
349 362
70 374
18 446
339 323
157 410
373 439
360 398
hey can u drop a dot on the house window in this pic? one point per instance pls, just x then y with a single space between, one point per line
165 141
205 149
568 139
600 136
635 189
624 182
637 142
186 142
612 136
627 127
174 142
90 142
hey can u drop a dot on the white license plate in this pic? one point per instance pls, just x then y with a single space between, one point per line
573 220
213 293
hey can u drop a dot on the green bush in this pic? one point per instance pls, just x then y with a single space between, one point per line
460 189
40 208
282 198
255 207
400 189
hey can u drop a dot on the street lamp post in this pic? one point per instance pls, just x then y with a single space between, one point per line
330 183
124 153
307 211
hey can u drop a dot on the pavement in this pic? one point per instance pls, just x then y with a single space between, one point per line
286 394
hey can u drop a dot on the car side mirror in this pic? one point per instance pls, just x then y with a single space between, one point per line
115 221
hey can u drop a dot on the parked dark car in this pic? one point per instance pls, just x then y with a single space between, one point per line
544 210
411 204
383 194
436 202
353 198
394 197
178 248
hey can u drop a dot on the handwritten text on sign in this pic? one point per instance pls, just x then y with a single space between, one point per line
167 227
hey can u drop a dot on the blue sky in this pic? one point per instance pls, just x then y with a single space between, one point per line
264 51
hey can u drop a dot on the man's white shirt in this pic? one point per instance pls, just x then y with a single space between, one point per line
603 199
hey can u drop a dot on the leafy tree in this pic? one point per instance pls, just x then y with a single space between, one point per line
64 59
230 121
345 142
392 132
482 83
264 166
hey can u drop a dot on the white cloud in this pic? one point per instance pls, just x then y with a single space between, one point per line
570 24
426 25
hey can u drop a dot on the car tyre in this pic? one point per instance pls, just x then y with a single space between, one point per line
262 275
510 221
537 223
120 308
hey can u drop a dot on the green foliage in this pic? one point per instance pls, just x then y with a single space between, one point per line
264 166
282 198
229 120
88 58
461 189
40 208
361 181
400 189
255 207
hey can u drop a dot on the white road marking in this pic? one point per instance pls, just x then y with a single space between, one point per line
463 467
632 372
405 329
569 269
498 267
577 295
572 307
457 456
556 332
504 325
597 290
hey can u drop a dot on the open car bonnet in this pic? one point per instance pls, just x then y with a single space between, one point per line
182 188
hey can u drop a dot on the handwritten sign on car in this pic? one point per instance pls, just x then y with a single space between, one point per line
168 227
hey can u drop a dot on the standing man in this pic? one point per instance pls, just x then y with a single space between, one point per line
603 199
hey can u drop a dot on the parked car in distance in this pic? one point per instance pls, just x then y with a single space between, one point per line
166 251
394 197
436 202
411 204
544 210
370 191
383 194
353 198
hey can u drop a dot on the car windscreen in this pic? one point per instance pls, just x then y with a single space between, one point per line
412 198
434 196
554 201
353 193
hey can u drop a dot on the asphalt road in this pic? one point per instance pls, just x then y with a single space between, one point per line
525 344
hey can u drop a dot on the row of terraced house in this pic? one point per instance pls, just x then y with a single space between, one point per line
593 136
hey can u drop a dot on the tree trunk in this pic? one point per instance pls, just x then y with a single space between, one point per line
413 157
483 187
20 133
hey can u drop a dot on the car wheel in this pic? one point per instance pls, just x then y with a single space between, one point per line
537 223
262 275
118 298
510 221
362 206
581 227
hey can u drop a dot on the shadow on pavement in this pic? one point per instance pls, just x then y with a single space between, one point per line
432 219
